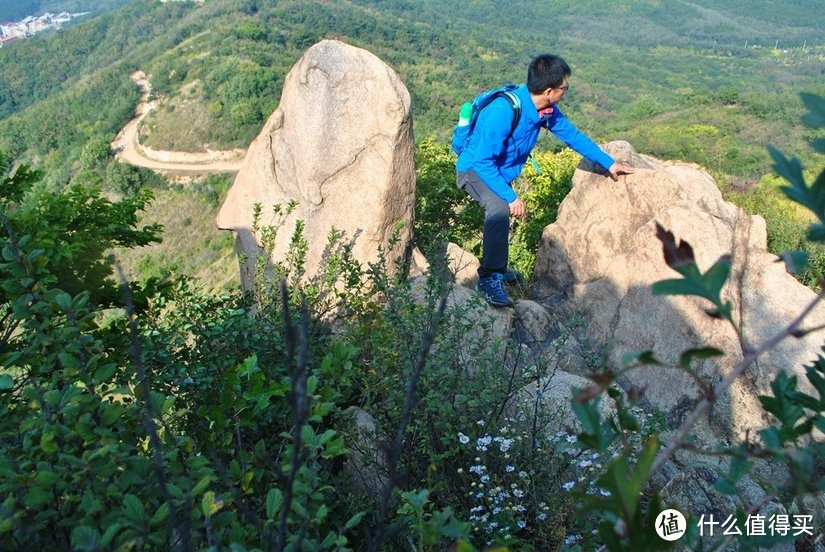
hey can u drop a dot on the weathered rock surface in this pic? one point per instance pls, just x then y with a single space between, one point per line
601 256
340 144
463 266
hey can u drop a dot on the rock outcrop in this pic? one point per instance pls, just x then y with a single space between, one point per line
601 256
340 144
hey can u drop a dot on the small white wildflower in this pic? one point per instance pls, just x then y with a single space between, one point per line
569 485
572 438
541 517
521 524
585 463
572 539
522 474
509 468
518 493
481 423
496 510
463 439
520 508
485 478
604 492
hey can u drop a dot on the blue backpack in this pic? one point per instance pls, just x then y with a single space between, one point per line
461 134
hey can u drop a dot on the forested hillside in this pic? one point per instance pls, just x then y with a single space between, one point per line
707 82
701 81
15 10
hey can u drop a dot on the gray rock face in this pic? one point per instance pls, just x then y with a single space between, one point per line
341 145
601 256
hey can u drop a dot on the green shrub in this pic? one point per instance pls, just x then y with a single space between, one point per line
446 213
787 224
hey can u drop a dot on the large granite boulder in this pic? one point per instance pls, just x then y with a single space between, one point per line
601 257
340 143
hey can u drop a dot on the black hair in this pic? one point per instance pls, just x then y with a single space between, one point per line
546 71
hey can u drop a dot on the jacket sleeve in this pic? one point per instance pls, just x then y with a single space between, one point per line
491 131
564 130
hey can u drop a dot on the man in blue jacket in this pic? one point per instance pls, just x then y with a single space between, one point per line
494 157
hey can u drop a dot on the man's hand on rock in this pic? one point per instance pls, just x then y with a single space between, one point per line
615 170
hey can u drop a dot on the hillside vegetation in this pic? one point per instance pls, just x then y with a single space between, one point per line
164 415
708 82
695 81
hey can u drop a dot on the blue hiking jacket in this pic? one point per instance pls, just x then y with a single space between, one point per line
497 157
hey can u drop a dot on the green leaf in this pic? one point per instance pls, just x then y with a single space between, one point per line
6 382
104 373
329 540
64 301
354 520
678 287
588 415
416 498
321 513
86 538
47 478
209 506
816 106
47 443
790 170
36 498
717 275
816 233
625 482
161 514
110 533
203 484
644 358
69 360
110 413
133 508
795 261
454 528
274 499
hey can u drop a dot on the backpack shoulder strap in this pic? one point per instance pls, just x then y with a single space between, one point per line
515 103
507 92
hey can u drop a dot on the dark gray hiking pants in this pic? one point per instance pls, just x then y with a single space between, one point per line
495 246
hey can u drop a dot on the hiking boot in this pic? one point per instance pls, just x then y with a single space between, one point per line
513 278
493 290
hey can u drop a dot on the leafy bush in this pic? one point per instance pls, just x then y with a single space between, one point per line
786 223
446 213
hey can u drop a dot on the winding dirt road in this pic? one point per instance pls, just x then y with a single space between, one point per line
128 147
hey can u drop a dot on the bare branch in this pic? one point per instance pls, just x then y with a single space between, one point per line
720 388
